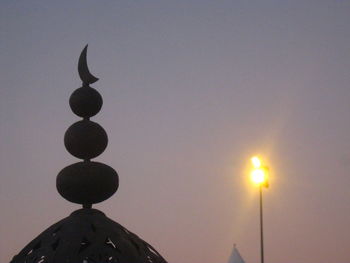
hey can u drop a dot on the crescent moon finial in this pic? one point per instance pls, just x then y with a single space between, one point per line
84 73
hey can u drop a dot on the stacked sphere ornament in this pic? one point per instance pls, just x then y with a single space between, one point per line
86 182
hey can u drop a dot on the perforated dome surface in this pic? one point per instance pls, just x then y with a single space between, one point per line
88 236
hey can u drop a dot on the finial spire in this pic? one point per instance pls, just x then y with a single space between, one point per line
86 182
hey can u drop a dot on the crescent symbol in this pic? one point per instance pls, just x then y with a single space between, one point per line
83 69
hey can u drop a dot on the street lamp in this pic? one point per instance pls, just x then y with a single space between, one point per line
259 176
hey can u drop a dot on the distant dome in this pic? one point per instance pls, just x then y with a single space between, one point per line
88 236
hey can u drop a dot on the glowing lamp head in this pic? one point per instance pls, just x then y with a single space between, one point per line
259 173
258 176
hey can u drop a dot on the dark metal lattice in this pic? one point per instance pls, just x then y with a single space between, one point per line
88 236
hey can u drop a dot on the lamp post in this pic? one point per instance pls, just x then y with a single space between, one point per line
259 176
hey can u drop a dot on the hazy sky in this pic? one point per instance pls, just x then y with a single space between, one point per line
191 90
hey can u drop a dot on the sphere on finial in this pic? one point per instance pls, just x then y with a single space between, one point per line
85 102
87 182
85 139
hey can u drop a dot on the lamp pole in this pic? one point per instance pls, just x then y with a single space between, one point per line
261 226
259 176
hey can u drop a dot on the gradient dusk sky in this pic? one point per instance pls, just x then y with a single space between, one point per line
192 89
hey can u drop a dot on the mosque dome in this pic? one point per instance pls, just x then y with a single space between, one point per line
87 235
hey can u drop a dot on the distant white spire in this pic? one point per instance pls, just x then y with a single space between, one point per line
235 256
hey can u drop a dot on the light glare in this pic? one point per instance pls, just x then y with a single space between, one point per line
256 162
